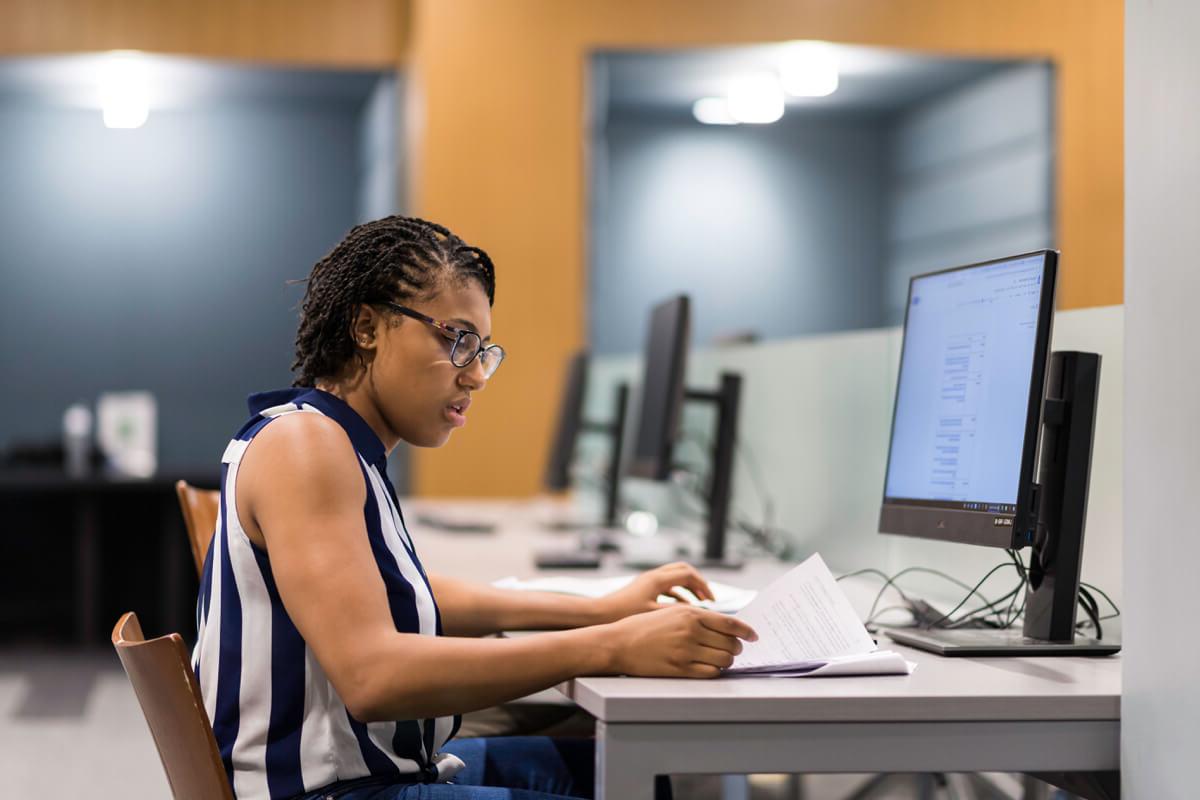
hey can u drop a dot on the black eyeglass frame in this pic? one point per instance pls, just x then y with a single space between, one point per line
459 334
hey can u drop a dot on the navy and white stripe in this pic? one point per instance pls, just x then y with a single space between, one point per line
280 726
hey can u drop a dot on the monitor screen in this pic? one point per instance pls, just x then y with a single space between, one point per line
968 399
662 390
570 421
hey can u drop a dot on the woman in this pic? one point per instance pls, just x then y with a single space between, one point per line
331 663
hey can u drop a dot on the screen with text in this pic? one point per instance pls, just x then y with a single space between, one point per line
962 397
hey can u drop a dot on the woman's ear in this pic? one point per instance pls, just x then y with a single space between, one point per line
363 329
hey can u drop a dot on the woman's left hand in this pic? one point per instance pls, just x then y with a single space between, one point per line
643 592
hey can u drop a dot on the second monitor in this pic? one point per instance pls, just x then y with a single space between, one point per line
663 395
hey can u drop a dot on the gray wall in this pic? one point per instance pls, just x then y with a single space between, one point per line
813 224
971 177
1160 702
379 184
380 194
770 228
157 258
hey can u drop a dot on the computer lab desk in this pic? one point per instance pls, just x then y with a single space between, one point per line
1058 717
1037 715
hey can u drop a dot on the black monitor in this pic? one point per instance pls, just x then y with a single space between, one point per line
572 423
570 420
977 390
662 390
662 398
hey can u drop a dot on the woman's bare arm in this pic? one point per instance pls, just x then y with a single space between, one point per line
472 610
299 487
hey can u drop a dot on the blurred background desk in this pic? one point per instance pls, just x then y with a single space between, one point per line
77 551
522 527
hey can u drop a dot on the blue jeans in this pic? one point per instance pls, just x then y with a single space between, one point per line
501 768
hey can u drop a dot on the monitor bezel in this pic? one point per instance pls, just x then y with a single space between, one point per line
570 424
929 519
657 466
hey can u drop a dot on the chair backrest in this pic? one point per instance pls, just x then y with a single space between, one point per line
169 695
199 508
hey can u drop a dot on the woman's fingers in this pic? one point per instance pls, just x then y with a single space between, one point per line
713 656
689 577
699 670
718 641
681 575
728 625
675 595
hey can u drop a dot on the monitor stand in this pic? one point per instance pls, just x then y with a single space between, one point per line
1060 501
727 399
975 642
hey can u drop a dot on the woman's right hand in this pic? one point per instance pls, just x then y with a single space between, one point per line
678 642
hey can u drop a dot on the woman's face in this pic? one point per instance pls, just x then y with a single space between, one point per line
419 393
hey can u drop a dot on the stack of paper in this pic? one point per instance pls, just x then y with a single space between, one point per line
807 628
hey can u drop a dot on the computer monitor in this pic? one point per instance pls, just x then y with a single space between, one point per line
572 424
662 389
570 420
963 457
663 395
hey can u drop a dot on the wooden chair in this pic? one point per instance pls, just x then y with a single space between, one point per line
169 695
199 508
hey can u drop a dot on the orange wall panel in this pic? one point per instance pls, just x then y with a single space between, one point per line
365 34
497 154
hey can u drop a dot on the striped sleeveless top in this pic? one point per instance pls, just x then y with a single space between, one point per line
280 726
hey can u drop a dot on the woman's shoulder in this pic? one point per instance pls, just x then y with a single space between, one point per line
303 448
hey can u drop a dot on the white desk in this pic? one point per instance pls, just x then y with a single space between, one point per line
1045 715
1041 715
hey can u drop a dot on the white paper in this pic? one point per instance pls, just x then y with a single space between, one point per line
807 628
729 599
800 618
126 431
880 662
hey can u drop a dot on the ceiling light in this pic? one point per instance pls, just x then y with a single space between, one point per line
756 99
123 92
809 69
713 111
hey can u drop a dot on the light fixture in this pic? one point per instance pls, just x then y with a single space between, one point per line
713 111
756 99
124 97
809 69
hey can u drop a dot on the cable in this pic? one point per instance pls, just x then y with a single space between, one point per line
948 615
1107 599
857 572
886 609
981 615
971 591
1092 609
772 539
779 545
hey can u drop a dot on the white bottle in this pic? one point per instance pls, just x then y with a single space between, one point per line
77 440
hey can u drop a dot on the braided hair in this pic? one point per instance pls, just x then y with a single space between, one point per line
392 259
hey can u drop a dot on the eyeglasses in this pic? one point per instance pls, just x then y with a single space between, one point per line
467 344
